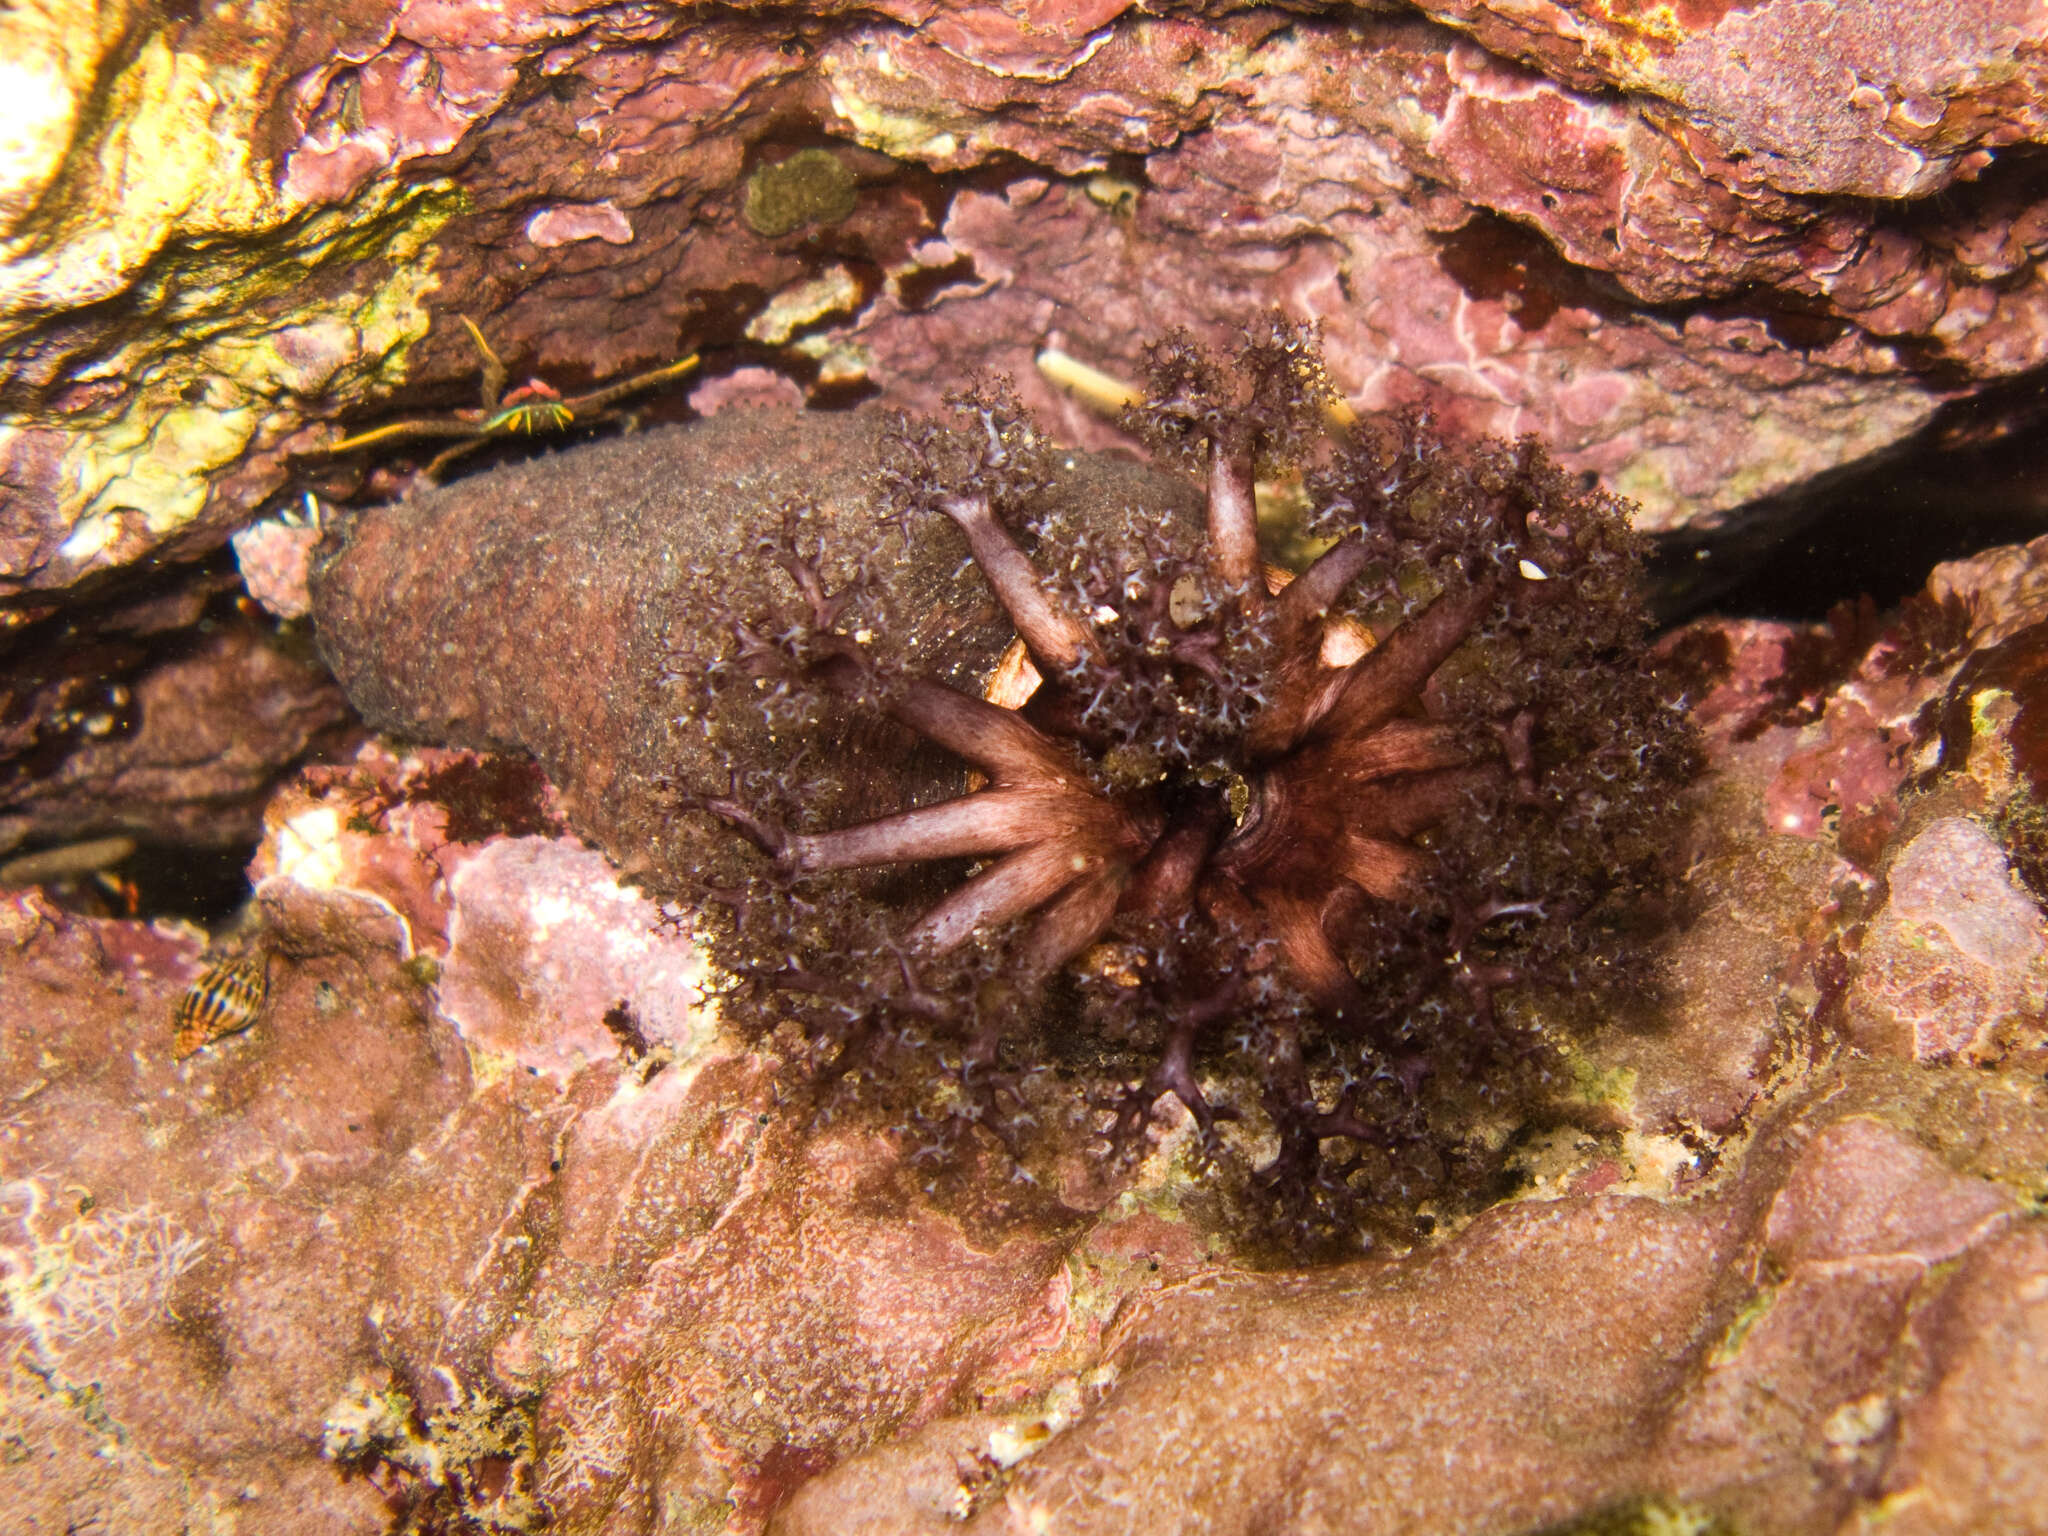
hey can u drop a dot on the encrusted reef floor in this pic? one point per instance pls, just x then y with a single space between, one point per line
473 1203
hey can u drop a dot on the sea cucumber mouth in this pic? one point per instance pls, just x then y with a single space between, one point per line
1251 809
1287 825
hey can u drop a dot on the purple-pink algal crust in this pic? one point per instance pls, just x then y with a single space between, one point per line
1726 247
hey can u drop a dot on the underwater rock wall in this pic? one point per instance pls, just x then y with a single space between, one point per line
1707 252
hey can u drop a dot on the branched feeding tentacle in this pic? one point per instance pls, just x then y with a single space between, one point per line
1056 639
1174 1072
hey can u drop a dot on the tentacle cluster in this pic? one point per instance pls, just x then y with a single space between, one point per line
1303 820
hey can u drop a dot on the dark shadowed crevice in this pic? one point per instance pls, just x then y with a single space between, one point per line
1972 479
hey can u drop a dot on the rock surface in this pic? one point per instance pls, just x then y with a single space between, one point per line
482 1135
1739 1356
167 718
1669 239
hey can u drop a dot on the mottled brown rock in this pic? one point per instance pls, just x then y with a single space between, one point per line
368 1200
1339 1363
2007 588
275 557
1748 1356
179 749
1741 990
202 1252
1972 1450
1958 950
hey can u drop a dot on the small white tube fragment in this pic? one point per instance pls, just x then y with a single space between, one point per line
1095 388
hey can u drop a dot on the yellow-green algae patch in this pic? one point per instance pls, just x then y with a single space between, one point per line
813 186
240 337
1602 1085
1654 1516
153 150
832 292
126 175
234 334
